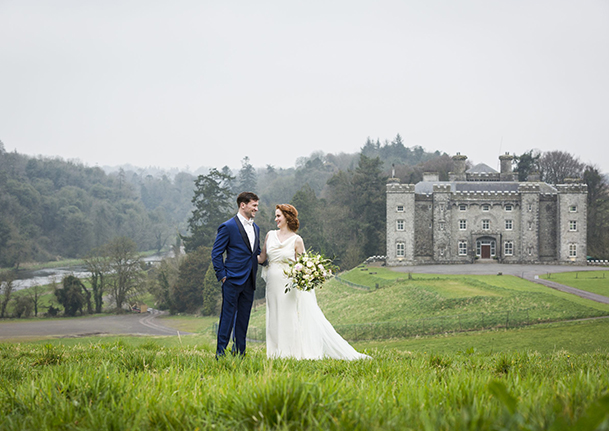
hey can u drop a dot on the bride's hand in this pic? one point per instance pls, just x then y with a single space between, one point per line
262 256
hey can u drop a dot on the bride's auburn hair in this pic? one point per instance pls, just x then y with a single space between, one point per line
291 215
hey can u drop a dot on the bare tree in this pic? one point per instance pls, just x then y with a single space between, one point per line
34 293
556 166
126 268
6 290
98 265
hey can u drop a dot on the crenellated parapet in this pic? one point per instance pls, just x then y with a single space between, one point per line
572 188
400 188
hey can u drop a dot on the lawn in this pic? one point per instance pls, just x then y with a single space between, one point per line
123 384
422 304
590 281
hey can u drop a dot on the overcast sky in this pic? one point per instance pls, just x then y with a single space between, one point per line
204 83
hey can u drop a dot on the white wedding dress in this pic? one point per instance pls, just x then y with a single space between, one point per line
295 325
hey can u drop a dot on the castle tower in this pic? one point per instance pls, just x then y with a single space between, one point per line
400 223
572 228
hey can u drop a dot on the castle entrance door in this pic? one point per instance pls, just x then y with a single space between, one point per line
486 248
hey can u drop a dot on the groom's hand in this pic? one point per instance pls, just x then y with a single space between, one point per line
223 280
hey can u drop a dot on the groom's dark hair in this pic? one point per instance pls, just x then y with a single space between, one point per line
246 198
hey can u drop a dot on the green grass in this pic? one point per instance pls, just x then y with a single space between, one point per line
433 303
122 384
577 337
590 281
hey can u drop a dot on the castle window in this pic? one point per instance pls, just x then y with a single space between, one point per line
400 225
462 207
509 225
400 249
486 207
530 225
530 251
486 224
508 208
508 248
572 250
573 208
462 224
400 208
441 225
462 248
572 225
530 207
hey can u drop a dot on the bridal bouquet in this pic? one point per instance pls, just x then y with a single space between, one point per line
308 271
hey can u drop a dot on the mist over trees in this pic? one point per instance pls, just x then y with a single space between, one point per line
51 209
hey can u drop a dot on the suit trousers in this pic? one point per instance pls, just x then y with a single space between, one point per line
237 303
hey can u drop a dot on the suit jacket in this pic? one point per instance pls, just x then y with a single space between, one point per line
240 259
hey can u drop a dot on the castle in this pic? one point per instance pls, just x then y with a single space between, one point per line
481 214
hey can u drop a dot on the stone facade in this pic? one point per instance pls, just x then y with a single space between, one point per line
483 214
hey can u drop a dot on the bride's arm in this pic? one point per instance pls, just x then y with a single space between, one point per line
262 255
299 246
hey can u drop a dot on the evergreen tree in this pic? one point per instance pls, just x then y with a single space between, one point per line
212 292
71 296
213 202
527 163
187 294
310 216
248 181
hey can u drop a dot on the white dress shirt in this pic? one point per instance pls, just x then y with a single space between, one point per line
248 225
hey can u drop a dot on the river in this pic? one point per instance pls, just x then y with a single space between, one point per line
41 277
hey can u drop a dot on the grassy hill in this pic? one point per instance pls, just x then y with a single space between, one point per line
454 300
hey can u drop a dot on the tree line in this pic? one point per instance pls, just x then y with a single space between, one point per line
74 210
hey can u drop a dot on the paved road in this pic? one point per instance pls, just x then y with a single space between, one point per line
528 272
126 324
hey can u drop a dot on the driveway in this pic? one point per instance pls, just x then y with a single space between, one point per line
125 324
528 272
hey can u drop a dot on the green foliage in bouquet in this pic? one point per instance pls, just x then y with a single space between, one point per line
308 271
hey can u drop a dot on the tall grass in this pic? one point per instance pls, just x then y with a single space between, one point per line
122 386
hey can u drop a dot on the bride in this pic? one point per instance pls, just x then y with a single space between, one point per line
295 325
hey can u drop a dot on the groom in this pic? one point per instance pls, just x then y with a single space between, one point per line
239 237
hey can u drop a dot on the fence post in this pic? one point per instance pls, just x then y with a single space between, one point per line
507 319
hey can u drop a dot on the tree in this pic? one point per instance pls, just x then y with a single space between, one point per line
164 279
126 269
6 290
369 204
71 296
557 166
34 293
187 294
527 163
23 306
211 292
248 180
98 265
355 214
310 216
598 212
213 201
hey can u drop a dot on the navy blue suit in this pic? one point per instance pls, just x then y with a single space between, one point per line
240 268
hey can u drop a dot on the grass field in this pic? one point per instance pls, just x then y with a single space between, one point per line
547 376
432 304
121 384
591 281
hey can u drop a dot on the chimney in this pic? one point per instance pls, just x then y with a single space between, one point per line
431 176
459 166
507 173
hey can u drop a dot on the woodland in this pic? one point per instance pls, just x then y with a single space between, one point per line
52 209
